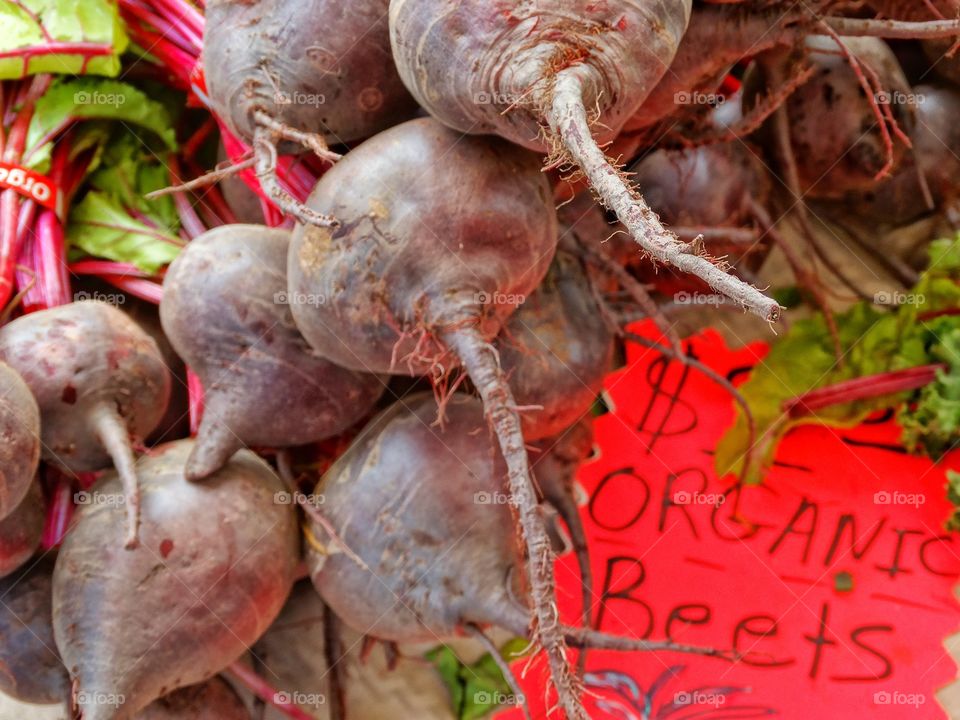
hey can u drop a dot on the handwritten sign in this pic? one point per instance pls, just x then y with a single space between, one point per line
834 578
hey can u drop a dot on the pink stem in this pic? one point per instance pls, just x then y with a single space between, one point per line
106 267
144 289
263 690
863 388
194 401
59 511
50 261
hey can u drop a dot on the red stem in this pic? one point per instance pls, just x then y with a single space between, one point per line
106 267
862 388
144 289
194 401
263 690
59 511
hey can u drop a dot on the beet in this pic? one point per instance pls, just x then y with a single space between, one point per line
312 72
555 351
32 671
20 434
215 564
531 71
442 236
226 311
20 531
426 510
936 143
100 379
835 134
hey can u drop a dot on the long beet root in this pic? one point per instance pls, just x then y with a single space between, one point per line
226 311
426 510
442 237
20 434
216 562
533 72
555 352
272 78
212 700
20 531
98 379
32 671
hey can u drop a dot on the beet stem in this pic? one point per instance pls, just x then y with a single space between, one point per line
481 364
505 669
568 119
265 691
115 438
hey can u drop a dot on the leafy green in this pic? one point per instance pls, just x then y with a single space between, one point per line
101 226
477 689
63 21
932 424
953 495
873 341
88 98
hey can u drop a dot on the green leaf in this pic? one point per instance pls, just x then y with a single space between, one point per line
99 226
932 424
477 689
953 495
128 172
873 341
90 98
449 666
63 21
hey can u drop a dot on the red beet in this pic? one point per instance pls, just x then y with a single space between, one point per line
20 434
215 564
225 309
98 379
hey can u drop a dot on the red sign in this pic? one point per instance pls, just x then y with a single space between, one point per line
834 579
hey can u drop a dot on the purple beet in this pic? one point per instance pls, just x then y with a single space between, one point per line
214 567
98 379
20 434
20 531
31 667
226 311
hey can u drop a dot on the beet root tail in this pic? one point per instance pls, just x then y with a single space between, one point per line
113 434
480 361
567 118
